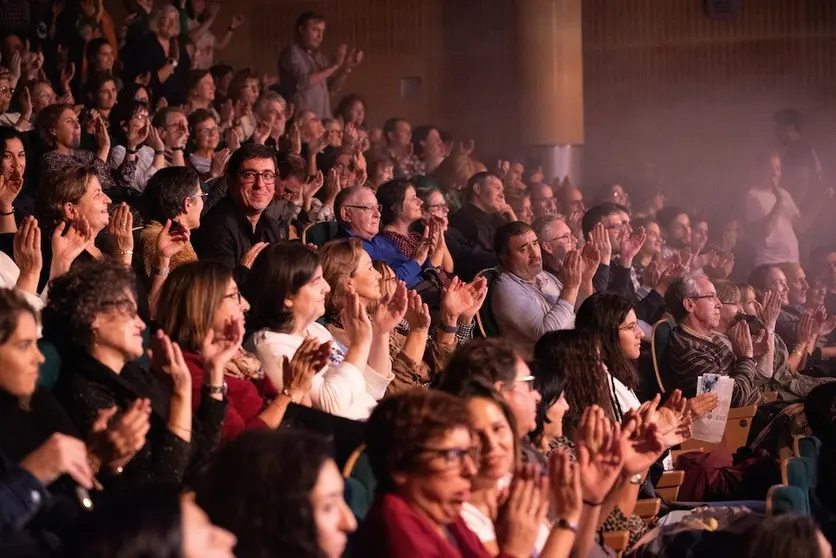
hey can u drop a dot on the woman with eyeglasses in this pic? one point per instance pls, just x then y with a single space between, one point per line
92 319
131 130
435 210
201 306
206 135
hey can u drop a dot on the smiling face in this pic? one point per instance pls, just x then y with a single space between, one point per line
490 195
334 519
207 135
797 284
14 160
67 131
411 210
496 440
252 190
118 328
20 358
365 280
630 336
232 307
42 96
308 304
93 206
777 281
312 33
699 236
103 61
205 89
653 245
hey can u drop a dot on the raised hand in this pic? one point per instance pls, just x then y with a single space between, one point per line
27 253
339 57
261 132
120 228
524 512
806 329
702 404
572 272
741 340
116 440
59 455
311 187
295 138
601 239
166 357
478 292
456 299
9 190
100 133
333 185
237 21
138 130
219 161
26 104
67 247
218 350
632 242
565 483
599 452
771 309
641 446
392 309
417 313
153 140
356 321
249 258
422 252
298 373
354 58
591 258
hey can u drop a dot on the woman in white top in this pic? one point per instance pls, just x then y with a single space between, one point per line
287 293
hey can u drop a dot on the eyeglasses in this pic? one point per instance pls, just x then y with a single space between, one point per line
4 89
235 296
525 381
442 207
714 296
201 195
629 327
125 306
567 236
454 457
249 177
370 208
209 131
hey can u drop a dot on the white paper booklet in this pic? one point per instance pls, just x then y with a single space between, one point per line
710 427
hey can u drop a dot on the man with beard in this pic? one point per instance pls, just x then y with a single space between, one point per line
527 301
694 349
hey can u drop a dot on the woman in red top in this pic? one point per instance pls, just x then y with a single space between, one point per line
202 308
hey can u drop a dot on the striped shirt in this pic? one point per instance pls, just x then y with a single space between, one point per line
690 355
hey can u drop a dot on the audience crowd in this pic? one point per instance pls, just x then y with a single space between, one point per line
239 318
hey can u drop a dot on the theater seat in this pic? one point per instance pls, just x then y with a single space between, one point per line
49 369
320 233
485 321
659 337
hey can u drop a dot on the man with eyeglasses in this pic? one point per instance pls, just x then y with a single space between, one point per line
694 349
173 127
236 230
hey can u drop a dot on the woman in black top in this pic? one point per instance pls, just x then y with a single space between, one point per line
92 318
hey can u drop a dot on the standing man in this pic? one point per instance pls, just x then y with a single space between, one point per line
306 75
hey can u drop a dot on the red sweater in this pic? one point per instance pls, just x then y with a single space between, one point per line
392 530
245 400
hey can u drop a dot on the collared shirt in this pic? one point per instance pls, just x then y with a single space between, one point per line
380 248
690 355
21 495
296 65
525 310
225 234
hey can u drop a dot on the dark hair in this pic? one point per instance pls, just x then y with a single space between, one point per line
200 116
601 314
220 70
92 49
424 191
779 536
278 273
129 91
503 235
348 101
402 424
595 213
550 383
573 353
93 85
155 529
419 134
166 192
307 16
47 120
7 133
122 113
391 125
247 152
12 304
259 487
481 179
160 118
757 277
290 164
76 297
194 78
491 360
666 215
789 118
391 197
239 80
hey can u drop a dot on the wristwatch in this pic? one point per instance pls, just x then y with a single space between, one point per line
636 479
218 390
172 62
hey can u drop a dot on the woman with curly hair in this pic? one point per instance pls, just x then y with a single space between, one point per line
92 319
280 493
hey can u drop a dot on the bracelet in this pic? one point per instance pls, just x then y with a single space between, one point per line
177 148
286 393
636 479
126 252
593 504
159 271
129 151
449 329
566 524
158 152
4 214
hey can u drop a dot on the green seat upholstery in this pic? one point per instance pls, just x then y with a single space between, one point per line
485 321
51 366
360 487
320 233
787 499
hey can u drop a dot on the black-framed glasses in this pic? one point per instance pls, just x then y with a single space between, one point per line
126 307
236 296
453 457
567 236
6 89
704 296
249 177
371 208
